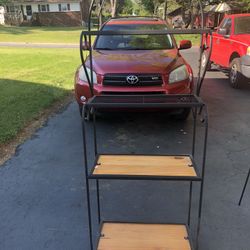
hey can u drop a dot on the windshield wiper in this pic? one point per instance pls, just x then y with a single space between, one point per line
134 49
104 48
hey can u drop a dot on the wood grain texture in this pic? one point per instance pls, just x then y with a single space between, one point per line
144 165
130 236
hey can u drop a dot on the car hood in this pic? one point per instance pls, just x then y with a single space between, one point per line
140 61
244 38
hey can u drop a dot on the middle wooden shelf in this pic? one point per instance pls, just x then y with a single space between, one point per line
170 167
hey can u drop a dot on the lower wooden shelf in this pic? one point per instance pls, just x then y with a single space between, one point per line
139 236
179 167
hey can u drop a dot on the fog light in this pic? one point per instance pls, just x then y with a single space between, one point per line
83 98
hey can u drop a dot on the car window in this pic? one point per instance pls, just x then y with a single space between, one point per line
242 25
134 42
226 25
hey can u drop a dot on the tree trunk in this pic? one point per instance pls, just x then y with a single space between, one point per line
85 5
165 10
113 4
100 5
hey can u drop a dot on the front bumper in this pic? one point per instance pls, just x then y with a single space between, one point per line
82 89
245 66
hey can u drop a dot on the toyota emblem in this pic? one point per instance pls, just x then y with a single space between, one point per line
132 79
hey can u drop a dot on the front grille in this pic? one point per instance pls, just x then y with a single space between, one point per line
133 93
121 80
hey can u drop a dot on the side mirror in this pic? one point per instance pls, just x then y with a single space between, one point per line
185 44
222 31
85 46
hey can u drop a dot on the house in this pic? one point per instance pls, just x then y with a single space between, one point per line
44 12
1 15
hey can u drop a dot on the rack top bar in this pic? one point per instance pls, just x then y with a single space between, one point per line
146 32
145 101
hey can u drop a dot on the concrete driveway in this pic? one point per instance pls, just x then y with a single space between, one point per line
42 188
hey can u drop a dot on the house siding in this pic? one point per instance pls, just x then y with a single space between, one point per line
53 7
52 11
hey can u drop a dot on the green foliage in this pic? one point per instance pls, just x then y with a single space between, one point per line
149 5
247 4
3 2
125 7
152 6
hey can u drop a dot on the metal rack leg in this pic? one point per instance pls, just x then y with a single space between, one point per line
194 113
244 188
98 201
94 131
203 175
87 180
190 201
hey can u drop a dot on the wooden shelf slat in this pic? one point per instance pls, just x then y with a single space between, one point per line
144 165
137 236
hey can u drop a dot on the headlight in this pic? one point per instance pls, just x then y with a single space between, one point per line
178 74
248 51
83 76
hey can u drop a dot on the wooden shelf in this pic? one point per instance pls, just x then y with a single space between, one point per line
137 236
144 166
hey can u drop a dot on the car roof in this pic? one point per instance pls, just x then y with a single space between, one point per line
238 15
135 20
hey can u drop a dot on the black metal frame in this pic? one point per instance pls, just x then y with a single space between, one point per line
244 188
197 105
96 102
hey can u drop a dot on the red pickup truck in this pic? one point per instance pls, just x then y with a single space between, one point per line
231 48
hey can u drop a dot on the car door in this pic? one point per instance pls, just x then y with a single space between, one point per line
221 41
226 44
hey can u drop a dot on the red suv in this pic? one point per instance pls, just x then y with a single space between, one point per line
136 64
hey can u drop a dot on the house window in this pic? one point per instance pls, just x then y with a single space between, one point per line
29 10
43 7
11 8
64 7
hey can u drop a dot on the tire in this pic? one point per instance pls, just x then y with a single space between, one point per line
204 59
88 115
236 79
80 109
183 115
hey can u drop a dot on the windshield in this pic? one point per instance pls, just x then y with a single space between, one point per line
134 42
242 25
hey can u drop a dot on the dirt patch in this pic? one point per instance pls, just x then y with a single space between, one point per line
7 150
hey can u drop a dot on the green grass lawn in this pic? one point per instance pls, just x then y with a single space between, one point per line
31 80
40 34
56 35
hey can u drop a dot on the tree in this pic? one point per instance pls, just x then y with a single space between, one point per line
85 5
125 7
113 4
152 6
165 9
